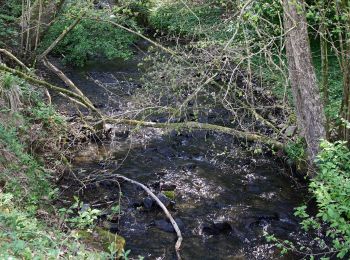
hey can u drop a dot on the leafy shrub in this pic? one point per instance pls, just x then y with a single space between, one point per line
23 236
23 176
89 39
85 217
296 150
179 19
10 10
331 188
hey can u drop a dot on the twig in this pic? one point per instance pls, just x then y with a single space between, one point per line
172 221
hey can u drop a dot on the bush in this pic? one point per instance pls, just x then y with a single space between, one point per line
331 188
23 236
10 10
191 21
89 39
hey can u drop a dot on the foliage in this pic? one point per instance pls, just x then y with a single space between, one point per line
90 38
24 177
139 10
296 150
331 189
85 217
10 10
25 185
177 18
26 237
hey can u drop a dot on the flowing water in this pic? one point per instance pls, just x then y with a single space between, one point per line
224 196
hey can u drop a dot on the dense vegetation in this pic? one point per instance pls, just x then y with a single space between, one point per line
205 55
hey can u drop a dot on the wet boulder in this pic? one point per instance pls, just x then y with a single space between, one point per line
290 131
164 199
216 228
111 226
166 226
148 203
167 186
170 194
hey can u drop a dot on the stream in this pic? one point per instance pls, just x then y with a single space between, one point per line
222 196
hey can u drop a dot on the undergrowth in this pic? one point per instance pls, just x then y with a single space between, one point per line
31 139
90 38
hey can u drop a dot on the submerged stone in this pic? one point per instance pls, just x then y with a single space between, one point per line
164 199
148 203
166 226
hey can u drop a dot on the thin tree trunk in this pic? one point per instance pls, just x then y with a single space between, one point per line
38 26
28 24
325 67
309 108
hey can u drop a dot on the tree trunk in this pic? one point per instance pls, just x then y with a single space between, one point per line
35 19
308 104
345 105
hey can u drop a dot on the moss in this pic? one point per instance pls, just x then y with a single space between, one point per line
103 239
170 194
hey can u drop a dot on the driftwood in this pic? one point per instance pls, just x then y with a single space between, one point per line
252 137
165 210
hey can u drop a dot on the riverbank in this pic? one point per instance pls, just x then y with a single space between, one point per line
35 149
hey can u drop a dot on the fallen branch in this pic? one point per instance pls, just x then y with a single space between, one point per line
46 85
252 137
13 57
68 82
167 213
62 76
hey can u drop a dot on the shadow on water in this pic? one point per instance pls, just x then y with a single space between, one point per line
224 197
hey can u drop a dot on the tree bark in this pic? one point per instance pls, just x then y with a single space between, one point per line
308 104
344 132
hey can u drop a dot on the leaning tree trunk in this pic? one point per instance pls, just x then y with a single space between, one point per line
308 104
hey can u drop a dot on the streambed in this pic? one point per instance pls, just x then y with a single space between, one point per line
222 195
